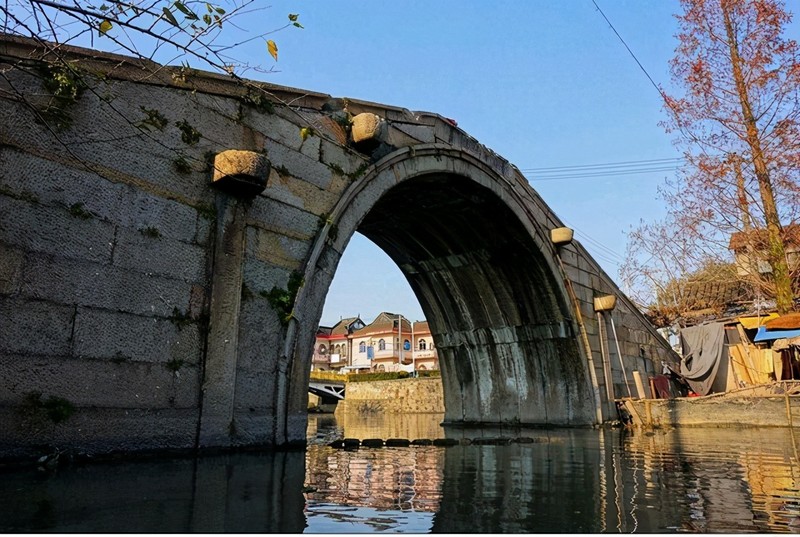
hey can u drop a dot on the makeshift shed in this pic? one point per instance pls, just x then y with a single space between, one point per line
725 355
782 335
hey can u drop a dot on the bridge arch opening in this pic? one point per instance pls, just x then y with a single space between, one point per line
486 280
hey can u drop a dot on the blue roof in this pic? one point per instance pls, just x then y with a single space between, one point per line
768 335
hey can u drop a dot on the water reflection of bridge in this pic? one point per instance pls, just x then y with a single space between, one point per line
584 481
566 481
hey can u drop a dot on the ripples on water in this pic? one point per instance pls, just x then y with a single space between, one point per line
687 480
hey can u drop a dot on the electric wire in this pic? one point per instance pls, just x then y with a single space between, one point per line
602 174
597 244
610 169
621 164
588 171
598 249
658 89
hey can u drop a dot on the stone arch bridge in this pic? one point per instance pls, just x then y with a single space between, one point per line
168 237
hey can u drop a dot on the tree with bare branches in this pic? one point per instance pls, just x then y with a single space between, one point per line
738 124
195 34
167 31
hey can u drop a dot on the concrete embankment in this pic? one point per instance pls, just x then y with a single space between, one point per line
402 396
775 411
393 408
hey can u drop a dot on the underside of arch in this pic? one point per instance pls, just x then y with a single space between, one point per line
508 352
506 339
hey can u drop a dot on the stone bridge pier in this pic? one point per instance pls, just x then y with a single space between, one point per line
168 238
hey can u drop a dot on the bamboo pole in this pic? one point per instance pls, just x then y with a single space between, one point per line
619 355
606 362
791 425
585 339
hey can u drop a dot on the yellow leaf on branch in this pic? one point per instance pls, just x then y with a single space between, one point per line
273 49
105 26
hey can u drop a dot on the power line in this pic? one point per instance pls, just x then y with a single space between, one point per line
601 174
663 95
622 164
599 250
606 169
608 252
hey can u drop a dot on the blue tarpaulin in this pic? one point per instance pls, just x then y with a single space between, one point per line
768 335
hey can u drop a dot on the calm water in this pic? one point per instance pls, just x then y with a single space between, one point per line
689 480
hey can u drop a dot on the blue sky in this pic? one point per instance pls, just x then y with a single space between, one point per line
544 84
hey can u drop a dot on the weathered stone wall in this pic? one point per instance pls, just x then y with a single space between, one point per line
144 307
641 347
404 396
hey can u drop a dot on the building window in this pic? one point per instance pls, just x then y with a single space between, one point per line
362 347
322 349
381 368
422 344
422 368
381 345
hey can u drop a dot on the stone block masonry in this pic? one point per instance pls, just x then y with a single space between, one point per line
403 396
167 241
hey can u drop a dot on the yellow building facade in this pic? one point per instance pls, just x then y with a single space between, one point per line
390 342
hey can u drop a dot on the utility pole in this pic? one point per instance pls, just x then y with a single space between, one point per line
400 339
413 350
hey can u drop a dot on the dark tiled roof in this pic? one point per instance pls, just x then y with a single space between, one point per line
384 322
340 328
715 293
324 331
421 326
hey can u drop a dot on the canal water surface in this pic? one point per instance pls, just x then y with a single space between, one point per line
556 480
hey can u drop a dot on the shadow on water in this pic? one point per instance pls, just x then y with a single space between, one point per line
545 480
551 484
244 492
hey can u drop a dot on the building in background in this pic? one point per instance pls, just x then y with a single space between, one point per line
333 347
750 250
390 342
425 356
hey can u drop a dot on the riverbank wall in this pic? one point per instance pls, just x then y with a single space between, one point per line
402 396
776 411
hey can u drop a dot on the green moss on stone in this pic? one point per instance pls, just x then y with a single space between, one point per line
77 210
189 134
153 120
56 409
282 300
